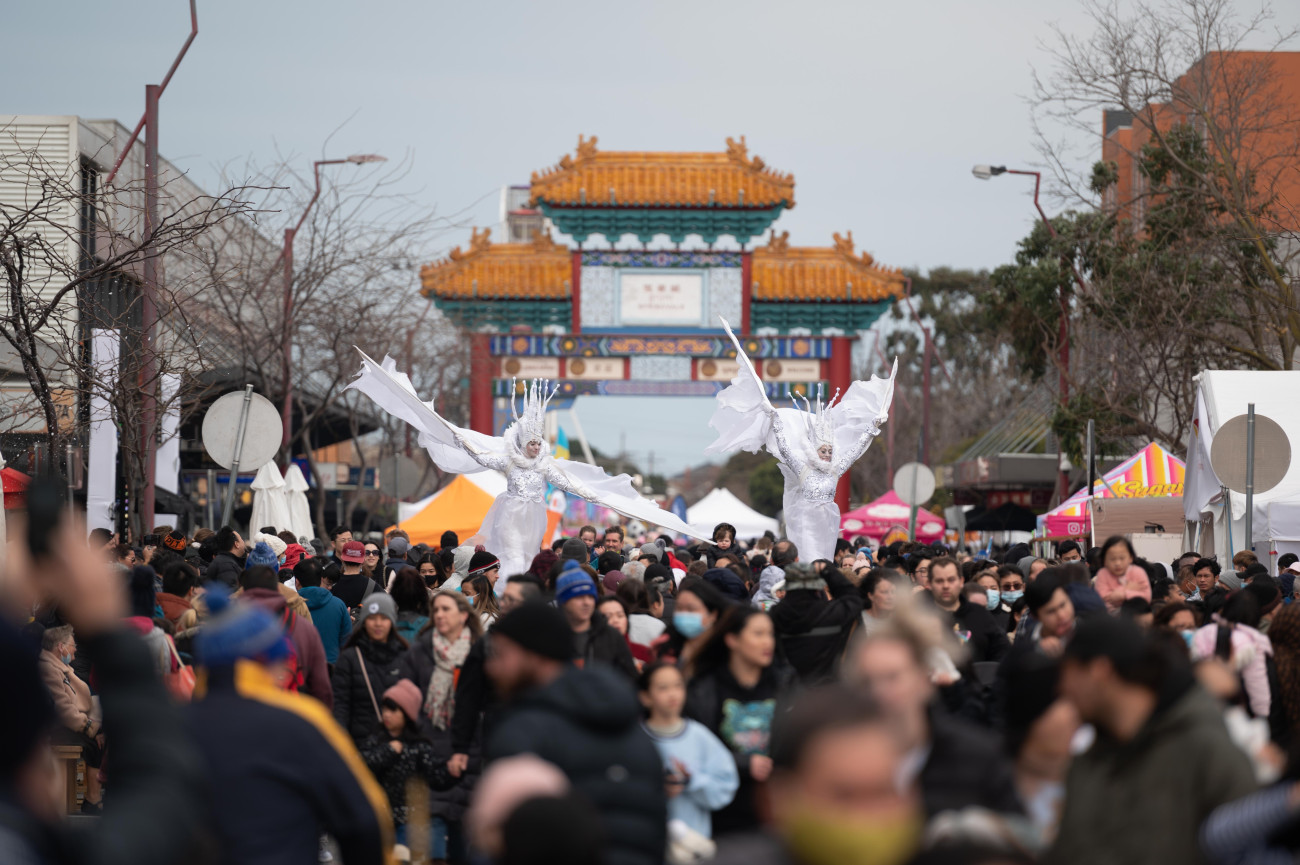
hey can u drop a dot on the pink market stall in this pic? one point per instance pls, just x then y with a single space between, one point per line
1151 472
887 516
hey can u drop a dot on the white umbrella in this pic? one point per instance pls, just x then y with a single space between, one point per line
295 486
270 506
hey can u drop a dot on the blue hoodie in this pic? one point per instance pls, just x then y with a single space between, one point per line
331 618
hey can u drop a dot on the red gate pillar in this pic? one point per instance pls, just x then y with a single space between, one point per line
481 374
841 376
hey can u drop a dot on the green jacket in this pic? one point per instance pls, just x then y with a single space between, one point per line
1143 801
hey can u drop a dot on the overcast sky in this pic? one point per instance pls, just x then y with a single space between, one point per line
878 109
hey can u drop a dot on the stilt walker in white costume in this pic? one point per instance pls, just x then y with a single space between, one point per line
815 445
515 525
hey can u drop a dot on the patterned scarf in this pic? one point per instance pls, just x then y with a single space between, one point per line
440 701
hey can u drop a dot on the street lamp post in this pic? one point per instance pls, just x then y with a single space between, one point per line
987 172
286 257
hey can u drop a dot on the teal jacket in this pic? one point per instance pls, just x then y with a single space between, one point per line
331 618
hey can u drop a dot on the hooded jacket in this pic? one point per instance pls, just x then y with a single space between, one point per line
293 554
330 617
812 631
1144 800
353 708
767 580
178 611
306 643
588 723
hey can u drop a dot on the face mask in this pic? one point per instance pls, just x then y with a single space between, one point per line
689 625
1187 637
67 659
816 839
1012 597
993 600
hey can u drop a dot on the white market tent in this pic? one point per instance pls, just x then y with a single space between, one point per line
721 506
1220 396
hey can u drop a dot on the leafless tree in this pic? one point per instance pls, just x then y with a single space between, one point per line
71 258
353 286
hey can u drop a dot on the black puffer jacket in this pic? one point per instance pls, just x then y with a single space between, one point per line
812 631
225 568
451 802
588 723
353 708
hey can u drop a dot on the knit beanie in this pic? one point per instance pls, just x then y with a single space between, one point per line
482 561
800 576
1231 579
377 604
538 628
575 549
1287 579
275 542
654 551
262 554
406 695
234 631
175 541
572 583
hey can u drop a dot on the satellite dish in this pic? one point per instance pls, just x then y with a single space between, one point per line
263 430
914 483
1272 453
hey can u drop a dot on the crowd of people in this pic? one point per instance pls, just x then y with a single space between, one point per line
637 701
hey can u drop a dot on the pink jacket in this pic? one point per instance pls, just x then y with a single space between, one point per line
1250 649
1135 585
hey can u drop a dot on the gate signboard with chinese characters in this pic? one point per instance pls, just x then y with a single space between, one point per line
644 322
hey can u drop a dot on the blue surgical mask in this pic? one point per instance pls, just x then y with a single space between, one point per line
994 599
67 659
1187 637
689 625
1012 597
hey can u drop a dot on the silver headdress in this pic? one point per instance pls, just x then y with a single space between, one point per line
531 424
817 419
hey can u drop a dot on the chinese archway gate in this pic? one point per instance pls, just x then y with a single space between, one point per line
644 322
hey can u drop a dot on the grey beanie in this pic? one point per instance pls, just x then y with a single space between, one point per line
377 604
1025 564
1231 579
653 550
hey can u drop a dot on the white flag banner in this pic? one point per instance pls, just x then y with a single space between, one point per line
101 465
167 464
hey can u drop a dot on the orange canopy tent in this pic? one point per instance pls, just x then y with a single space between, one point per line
460 507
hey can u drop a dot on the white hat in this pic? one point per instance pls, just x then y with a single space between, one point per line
277 546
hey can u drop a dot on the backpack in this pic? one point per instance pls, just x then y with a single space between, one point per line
371 588
295 677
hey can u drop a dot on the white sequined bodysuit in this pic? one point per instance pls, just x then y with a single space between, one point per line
812 519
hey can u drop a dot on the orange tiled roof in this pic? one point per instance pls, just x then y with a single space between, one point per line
539 270
820 273
645 179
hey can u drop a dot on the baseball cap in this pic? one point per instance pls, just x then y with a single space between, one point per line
354 552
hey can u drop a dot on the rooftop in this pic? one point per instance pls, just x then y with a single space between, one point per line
729 179
821 273
539 270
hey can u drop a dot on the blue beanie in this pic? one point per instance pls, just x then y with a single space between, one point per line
262 554
238 631
573 583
